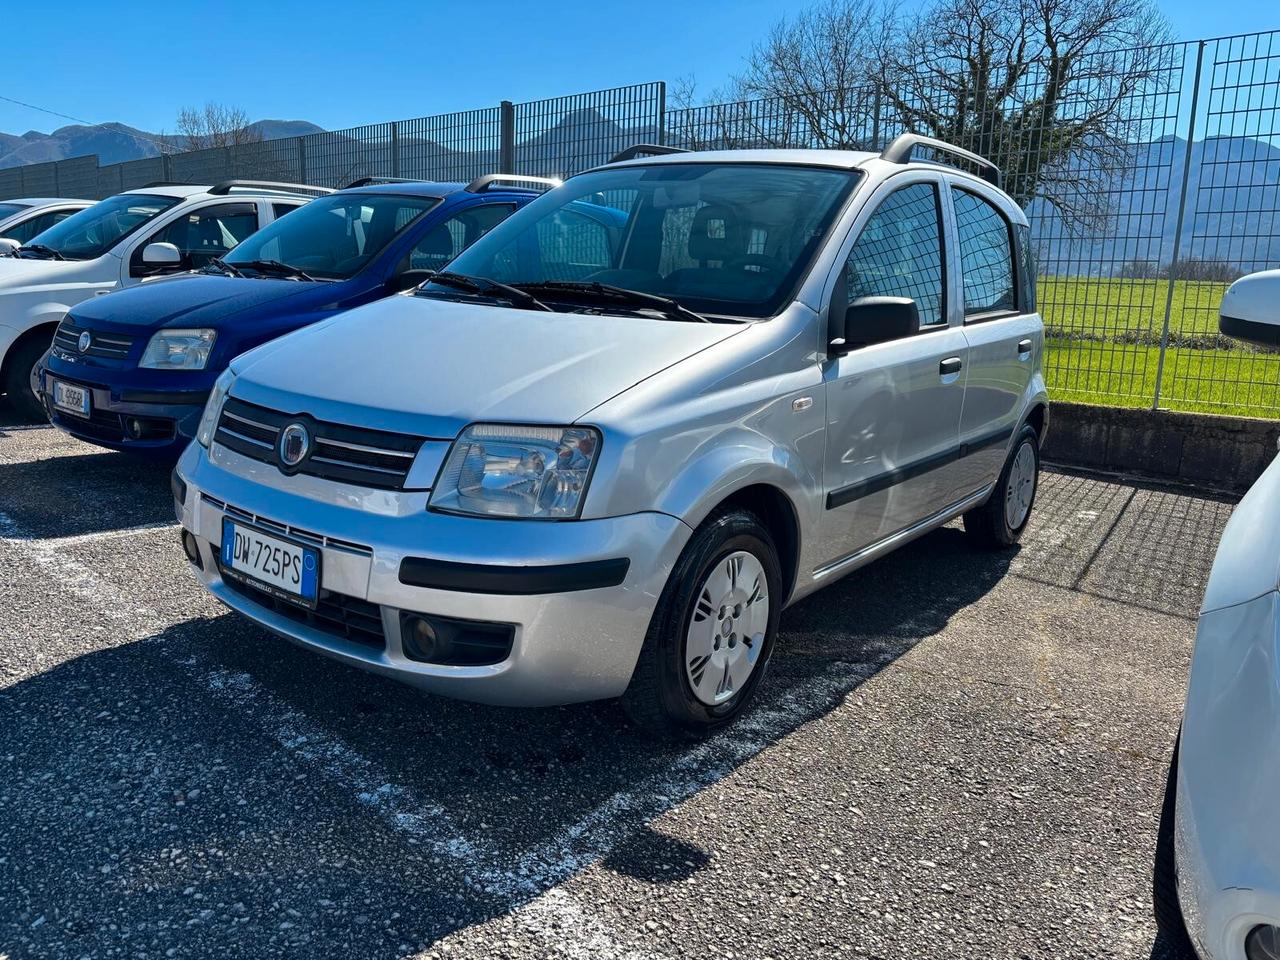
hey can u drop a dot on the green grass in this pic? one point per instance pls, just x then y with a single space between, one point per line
1103 338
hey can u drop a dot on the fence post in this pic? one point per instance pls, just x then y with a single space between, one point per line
1177 230
662 112
302 159
395 149
167 164
57 180
506 137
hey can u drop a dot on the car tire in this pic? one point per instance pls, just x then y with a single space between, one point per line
999 522
19 386
1170 925
709 642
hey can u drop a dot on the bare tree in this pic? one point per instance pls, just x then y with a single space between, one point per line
818 67
1056 92
215 125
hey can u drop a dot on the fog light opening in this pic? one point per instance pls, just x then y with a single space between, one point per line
1263 943
191 549
451 642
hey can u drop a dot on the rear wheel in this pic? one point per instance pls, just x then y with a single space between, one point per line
20 378
712 632
1000 521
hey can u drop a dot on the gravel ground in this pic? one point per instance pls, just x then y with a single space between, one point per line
956 754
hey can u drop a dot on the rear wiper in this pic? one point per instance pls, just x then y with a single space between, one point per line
607 293
41 250
274 266
486 287
222 267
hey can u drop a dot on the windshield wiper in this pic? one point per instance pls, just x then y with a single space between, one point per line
486 287
221 266
40 249
274 266
607 293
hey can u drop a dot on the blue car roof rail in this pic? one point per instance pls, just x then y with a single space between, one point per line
481 184
902 147
226 186
367 181
645 150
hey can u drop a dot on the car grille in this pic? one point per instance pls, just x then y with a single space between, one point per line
336 614
114 346
100 424
367 458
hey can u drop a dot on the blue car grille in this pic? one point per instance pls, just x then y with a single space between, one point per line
366 458
114 346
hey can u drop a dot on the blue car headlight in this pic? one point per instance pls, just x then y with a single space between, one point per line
179 349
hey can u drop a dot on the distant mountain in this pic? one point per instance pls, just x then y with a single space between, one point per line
114 142
1232 213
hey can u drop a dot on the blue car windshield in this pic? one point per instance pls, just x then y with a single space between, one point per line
333 237
95 230
731 239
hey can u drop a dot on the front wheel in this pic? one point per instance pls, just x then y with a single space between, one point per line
1000 521
20 379
712 632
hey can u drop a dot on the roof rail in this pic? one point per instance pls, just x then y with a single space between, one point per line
902 147
164 183
226 186
366 181
645 150
481 184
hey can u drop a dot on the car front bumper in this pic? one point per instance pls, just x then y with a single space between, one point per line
572 641
1227 838
167 420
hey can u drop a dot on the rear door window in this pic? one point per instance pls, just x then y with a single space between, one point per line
986 256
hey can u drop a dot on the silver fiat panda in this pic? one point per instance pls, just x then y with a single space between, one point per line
602 451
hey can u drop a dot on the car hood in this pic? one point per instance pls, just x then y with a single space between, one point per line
418 365
188 300
22 272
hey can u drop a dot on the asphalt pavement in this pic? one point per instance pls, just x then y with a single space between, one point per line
956 754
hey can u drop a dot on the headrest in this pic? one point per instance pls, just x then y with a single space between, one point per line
715 234
437 244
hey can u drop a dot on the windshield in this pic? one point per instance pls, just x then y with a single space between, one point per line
332 237
9 209
95 230
730 239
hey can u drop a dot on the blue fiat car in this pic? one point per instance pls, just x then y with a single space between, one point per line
131 371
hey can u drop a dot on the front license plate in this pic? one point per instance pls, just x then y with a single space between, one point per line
281 568
70 398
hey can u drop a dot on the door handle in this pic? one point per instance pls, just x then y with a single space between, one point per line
949 366
1024 348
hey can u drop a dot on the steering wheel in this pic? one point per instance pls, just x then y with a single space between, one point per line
763 263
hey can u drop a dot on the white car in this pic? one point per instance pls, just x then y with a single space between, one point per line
23 217
1217 872
118 242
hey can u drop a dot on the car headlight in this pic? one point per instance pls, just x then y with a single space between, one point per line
499 470
213 408
179 349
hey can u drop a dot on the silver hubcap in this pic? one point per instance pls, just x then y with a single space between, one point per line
1021 487
726 633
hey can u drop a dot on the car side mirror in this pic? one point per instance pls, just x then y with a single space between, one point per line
161 255
871 320
8 247
1251 309
408 279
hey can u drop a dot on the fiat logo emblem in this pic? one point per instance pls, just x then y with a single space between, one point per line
84 342
295 444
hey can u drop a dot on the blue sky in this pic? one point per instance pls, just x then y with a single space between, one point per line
360 62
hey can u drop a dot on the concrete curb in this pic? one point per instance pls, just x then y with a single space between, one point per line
1224 452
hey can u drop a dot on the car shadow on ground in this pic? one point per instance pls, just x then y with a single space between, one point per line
286 782
81 493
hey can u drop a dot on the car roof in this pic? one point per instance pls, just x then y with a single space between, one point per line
44 201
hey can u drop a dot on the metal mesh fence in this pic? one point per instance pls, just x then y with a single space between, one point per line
1168 188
